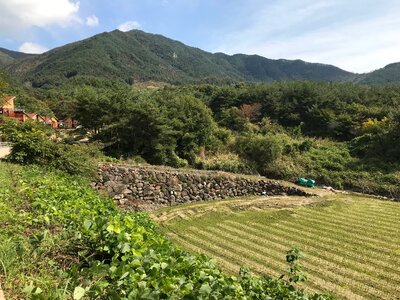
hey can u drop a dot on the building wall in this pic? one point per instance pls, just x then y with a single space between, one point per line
8 105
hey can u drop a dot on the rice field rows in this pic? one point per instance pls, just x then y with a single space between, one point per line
351 243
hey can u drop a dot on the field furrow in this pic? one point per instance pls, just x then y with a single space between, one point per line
351 243
361 259
327 230
269 243
202 241
386 232
255 258
227 265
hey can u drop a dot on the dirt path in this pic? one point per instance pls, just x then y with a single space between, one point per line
4 150
1 294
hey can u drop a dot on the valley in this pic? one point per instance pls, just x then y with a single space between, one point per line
134 166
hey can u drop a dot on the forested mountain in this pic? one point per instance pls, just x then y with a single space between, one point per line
7 57
387 75
136 56
139 56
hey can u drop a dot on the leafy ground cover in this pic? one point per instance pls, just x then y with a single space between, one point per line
60 240
351 243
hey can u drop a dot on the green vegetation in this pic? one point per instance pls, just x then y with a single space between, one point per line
351 243
342 135
7 57
134 57
60 241
34 143
387 75
138 56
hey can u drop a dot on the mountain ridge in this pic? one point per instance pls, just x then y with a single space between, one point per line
137 56
7 57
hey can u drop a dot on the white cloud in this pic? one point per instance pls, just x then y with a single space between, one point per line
356 40
92 21
21 14
33 48
129 26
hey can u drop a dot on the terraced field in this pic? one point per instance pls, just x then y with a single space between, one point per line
351 243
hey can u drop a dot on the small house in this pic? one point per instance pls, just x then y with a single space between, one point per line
68 123
51 121
7 105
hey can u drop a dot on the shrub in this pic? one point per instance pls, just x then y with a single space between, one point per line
233 119
260 149
220 140
32 144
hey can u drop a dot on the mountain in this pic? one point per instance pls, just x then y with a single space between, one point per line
136 56
387 75
7 57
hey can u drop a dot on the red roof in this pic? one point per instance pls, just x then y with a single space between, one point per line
32 115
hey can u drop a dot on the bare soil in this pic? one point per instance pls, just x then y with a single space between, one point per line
4 151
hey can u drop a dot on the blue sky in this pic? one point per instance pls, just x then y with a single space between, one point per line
356 35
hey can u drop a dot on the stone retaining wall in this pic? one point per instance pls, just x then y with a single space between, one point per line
146 188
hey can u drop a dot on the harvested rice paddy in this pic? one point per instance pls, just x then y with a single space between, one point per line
351 243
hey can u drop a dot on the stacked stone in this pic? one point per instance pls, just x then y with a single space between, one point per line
149 187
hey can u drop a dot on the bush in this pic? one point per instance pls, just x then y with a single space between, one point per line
220 140
261 150
32 143
80 159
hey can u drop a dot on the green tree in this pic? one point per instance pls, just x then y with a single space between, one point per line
233 119
191 121
260 149
92 108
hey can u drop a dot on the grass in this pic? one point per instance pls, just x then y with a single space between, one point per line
30 254
351 243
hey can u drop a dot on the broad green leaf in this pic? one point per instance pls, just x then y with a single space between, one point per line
113 269
205 289
125 247
110 228
79 292
164 265
124 275
87 224
136 263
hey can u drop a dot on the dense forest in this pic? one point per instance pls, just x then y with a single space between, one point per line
341 134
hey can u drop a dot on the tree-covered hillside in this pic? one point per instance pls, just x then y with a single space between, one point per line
7 57
139 56
390 74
